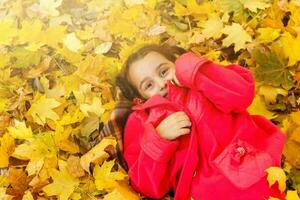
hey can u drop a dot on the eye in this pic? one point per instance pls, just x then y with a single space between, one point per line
148 86
164 72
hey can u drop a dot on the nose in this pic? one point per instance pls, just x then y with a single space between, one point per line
161 84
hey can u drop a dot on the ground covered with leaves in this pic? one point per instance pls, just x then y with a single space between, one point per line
58 60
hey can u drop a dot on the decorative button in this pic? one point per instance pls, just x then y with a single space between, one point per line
195 173
241 150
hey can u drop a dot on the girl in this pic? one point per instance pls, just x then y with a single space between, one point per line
190 130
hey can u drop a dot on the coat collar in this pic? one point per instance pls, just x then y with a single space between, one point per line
157 99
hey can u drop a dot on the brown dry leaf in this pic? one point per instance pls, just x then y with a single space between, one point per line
18 181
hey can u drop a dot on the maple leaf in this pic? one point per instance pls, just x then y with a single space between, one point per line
291 47
229 6
104 178
97 153
212 28
268 34
96 107
4 60
121 191
30 31
37 150
7 31
292 195
25 58
272 68
20 131
270 93
63 182
7 147
254 5
193 8
236 35
276 174
41 110
258 107
62 141
53 35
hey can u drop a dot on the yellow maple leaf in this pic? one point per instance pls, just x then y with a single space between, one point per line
53 35
4 60
121 191
62 141
42 109
104 178
292 195
20 130
7 31
291 47
270 93
30 31
36 149
254 5
296 117
97 153
95 107
6 149
72 117
236 35
212 28
268 34
276 174
63 183
258 107
193 8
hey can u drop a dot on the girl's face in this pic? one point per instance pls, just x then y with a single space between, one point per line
151 73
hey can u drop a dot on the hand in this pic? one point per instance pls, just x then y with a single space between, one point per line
174 125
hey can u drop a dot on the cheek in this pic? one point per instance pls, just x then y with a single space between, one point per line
171 74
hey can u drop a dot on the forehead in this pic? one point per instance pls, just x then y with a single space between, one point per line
145 66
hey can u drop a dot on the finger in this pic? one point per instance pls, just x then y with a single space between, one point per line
183 131
184 123
175 115
182 116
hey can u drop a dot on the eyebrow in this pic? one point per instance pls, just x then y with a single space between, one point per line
157 67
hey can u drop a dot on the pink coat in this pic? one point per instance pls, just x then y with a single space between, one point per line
227 150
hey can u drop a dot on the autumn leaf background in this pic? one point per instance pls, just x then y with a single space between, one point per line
58 61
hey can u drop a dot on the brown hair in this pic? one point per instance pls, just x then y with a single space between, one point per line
122 80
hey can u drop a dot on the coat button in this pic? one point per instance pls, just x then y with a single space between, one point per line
241 150
195 173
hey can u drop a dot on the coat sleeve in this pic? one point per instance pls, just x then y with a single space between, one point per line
148 156
230 88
